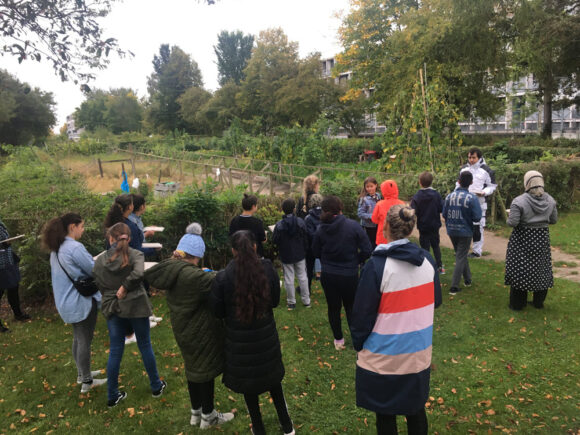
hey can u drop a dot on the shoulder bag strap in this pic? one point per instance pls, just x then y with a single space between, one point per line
64 270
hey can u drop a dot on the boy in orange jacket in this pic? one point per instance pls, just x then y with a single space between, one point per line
390 192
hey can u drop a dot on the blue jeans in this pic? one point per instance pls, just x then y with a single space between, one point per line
118 327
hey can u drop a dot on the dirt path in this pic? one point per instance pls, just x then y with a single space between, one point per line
495 247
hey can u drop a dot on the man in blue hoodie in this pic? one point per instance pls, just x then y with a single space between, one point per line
461 211
292 239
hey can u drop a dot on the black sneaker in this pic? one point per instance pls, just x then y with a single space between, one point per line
160 391
454 290
114 402
291 307
467 283
22 317
473 255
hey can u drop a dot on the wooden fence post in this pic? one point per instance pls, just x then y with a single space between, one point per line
271 184
100 167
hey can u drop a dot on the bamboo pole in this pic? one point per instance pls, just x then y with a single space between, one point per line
426 119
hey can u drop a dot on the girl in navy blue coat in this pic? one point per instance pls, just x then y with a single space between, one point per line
342 245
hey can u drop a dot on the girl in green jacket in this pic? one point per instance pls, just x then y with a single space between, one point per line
198 333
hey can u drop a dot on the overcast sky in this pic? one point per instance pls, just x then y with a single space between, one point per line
143 25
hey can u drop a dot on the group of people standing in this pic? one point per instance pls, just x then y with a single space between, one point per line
224 322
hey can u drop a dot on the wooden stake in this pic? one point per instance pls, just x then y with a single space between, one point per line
426 119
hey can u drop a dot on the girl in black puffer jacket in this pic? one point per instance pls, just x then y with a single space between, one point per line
244 294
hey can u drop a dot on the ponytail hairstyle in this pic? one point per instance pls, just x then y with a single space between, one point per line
120 206
252 290
56 230
331 206
401 220
121 234
372 180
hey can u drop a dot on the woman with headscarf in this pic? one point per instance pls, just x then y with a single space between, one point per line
528 265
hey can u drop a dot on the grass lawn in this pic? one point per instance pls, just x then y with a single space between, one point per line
493 370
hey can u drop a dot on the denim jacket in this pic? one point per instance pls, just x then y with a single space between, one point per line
460 211
366 205
74 257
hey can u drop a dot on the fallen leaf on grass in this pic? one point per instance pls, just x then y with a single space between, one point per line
131 412
489 412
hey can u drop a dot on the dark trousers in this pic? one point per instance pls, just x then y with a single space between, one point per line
416 424
430 239
339 291
372 234
253 405
310 269
519 298
201 395
461 247
13 299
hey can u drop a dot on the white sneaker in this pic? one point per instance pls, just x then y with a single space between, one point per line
152 324
88 387
195 417
154 318
215 418
93 374
131 339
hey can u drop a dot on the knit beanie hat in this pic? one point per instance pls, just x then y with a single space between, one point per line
191 243
534 183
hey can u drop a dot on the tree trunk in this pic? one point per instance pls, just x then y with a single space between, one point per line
547 122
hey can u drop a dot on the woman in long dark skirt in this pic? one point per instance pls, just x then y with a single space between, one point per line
528 265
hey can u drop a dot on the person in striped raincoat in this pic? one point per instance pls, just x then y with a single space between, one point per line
392 327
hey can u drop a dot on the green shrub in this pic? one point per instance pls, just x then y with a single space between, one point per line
34 189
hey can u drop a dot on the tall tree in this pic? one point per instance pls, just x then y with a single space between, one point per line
461 42
65 33
173 73
546 44
279 88
117 110
124 111
26 114
219 112
233 51
190 103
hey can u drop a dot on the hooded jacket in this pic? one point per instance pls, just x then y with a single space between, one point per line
428 205
533 211
392 328
341 246
483 180
253 359
198 333
291 238
109 276
390 192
